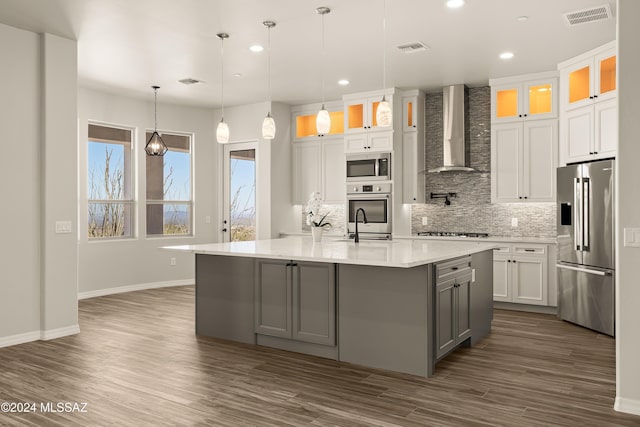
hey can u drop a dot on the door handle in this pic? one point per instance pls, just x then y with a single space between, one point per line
585 213
577 214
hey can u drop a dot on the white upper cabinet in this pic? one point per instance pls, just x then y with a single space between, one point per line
413 161
303 120
523 98
588 115
360 111
319 166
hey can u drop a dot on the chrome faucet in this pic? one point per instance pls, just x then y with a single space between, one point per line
364 221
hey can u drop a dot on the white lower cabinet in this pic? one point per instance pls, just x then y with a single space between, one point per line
319 166
520 274
295 300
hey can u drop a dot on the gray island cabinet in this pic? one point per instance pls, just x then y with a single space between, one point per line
400 305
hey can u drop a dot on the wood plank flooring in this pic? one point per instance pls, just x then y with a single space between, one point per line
137 362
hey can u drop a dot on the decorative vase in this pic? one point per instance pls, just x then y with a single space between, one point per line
316 232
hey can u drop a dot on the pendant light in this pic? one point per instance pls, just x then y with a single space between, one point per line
222 133
323 120
268 124
155 146
384 116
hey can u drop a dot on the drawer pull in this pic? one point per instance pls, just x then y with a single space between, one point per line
529 250
454 268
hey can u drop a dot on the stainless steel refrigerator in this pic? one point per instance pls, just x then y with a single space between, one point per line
586 245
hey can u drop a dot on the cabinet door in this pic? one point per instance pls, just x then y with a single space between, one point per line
273 298
530 280
540 160
605 76
380 141
506 162
501 275
333 171
413 178
314 303
579 134
578 81
506 103
306 170
606 128
540 99
445 317
356 143
463 308
410 114
355 116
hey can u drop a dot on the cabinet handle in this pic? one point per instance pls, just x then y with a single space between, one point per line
520 197
595 152
454 268
595 96
414 199
514 260
415 126
525 115
224 230
529 250
525 197
591 97
519 115
508 260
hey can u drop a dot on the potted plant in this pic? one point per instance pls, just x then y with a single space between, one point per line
315 219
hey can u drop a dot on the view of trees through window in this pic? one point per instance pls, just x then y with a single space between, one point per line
109 182
243 195
169 188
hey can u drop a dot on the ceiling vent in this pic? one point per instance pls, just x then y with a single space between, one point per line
584 16
189 81
412 47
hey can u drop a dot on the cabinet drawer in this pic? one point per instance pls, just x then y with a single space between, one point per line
530 250
455 267
504 250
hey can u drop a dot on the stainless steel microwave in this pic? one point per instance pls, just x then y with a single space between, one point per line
369 167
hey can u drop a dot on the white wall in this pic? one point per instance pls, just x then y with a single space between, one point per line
38 280
628 210
138 263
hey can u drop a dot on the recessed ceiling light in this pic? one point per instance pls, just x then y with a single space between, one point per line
237 75
522 18
343 82
506 55
455 3
256 48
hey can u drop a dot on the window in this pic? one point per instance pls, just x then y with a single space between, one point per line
109 182
169 188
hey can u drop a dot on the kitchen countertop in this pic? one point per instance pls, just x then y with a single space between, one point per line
397 253
492 239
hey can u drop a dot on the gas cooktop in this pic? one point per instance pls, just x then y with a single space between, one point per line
452 234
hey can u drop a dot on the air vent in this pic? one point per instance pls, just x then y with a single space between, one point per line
412 47
584 16
189 81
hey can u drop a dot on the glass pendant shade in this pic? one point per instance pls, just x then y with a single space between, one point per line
268 127
155 146
383 114
222 133
323 121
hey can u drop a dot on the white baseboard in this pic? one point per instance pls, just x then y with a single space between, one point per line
543 309
51 334
19 338
132 288
629 406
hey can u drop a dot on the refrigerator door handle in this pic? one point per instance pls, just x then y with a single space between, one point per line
584 270
586 202
577 214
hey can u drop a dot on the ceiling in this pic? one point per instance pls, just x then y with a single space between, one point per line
125 46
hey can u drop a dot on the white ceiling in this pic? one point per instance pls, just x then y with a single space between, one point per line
125 46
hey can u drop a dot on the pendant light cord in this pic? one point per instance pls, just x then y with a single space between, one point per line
384 44
323 60
222 75
155 108
269 64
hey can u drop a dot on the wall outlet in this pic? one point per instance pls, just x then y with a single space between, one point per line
207 219
514 222
172 261
63 227
632 237
425 220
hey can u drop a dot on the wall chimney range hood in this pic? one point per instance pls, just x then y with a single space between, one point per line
456 130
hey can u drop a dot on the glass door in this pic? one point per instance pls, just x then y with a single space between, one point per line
239 217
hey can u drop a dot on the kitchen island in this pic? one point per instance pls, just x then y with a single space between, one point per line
397 305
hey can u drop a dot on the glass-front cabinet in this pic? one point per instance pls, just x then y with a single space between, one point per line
527 97
589 79
304 120
360 113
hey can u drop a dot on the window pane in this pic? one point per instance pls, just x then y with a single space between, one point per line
243 195
177 175
109 219
168 218
106 171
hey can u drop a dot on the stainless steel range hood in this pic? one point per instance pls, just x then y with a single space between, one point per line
456 130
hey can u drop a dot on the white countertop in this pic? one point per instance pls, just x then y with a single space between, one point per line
397 253
491 239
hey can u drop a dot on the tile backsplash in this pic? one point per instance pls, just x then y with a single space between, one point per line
471 210
336 217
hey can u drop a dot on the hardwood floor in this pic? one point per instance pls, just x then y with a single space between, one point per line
137 362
